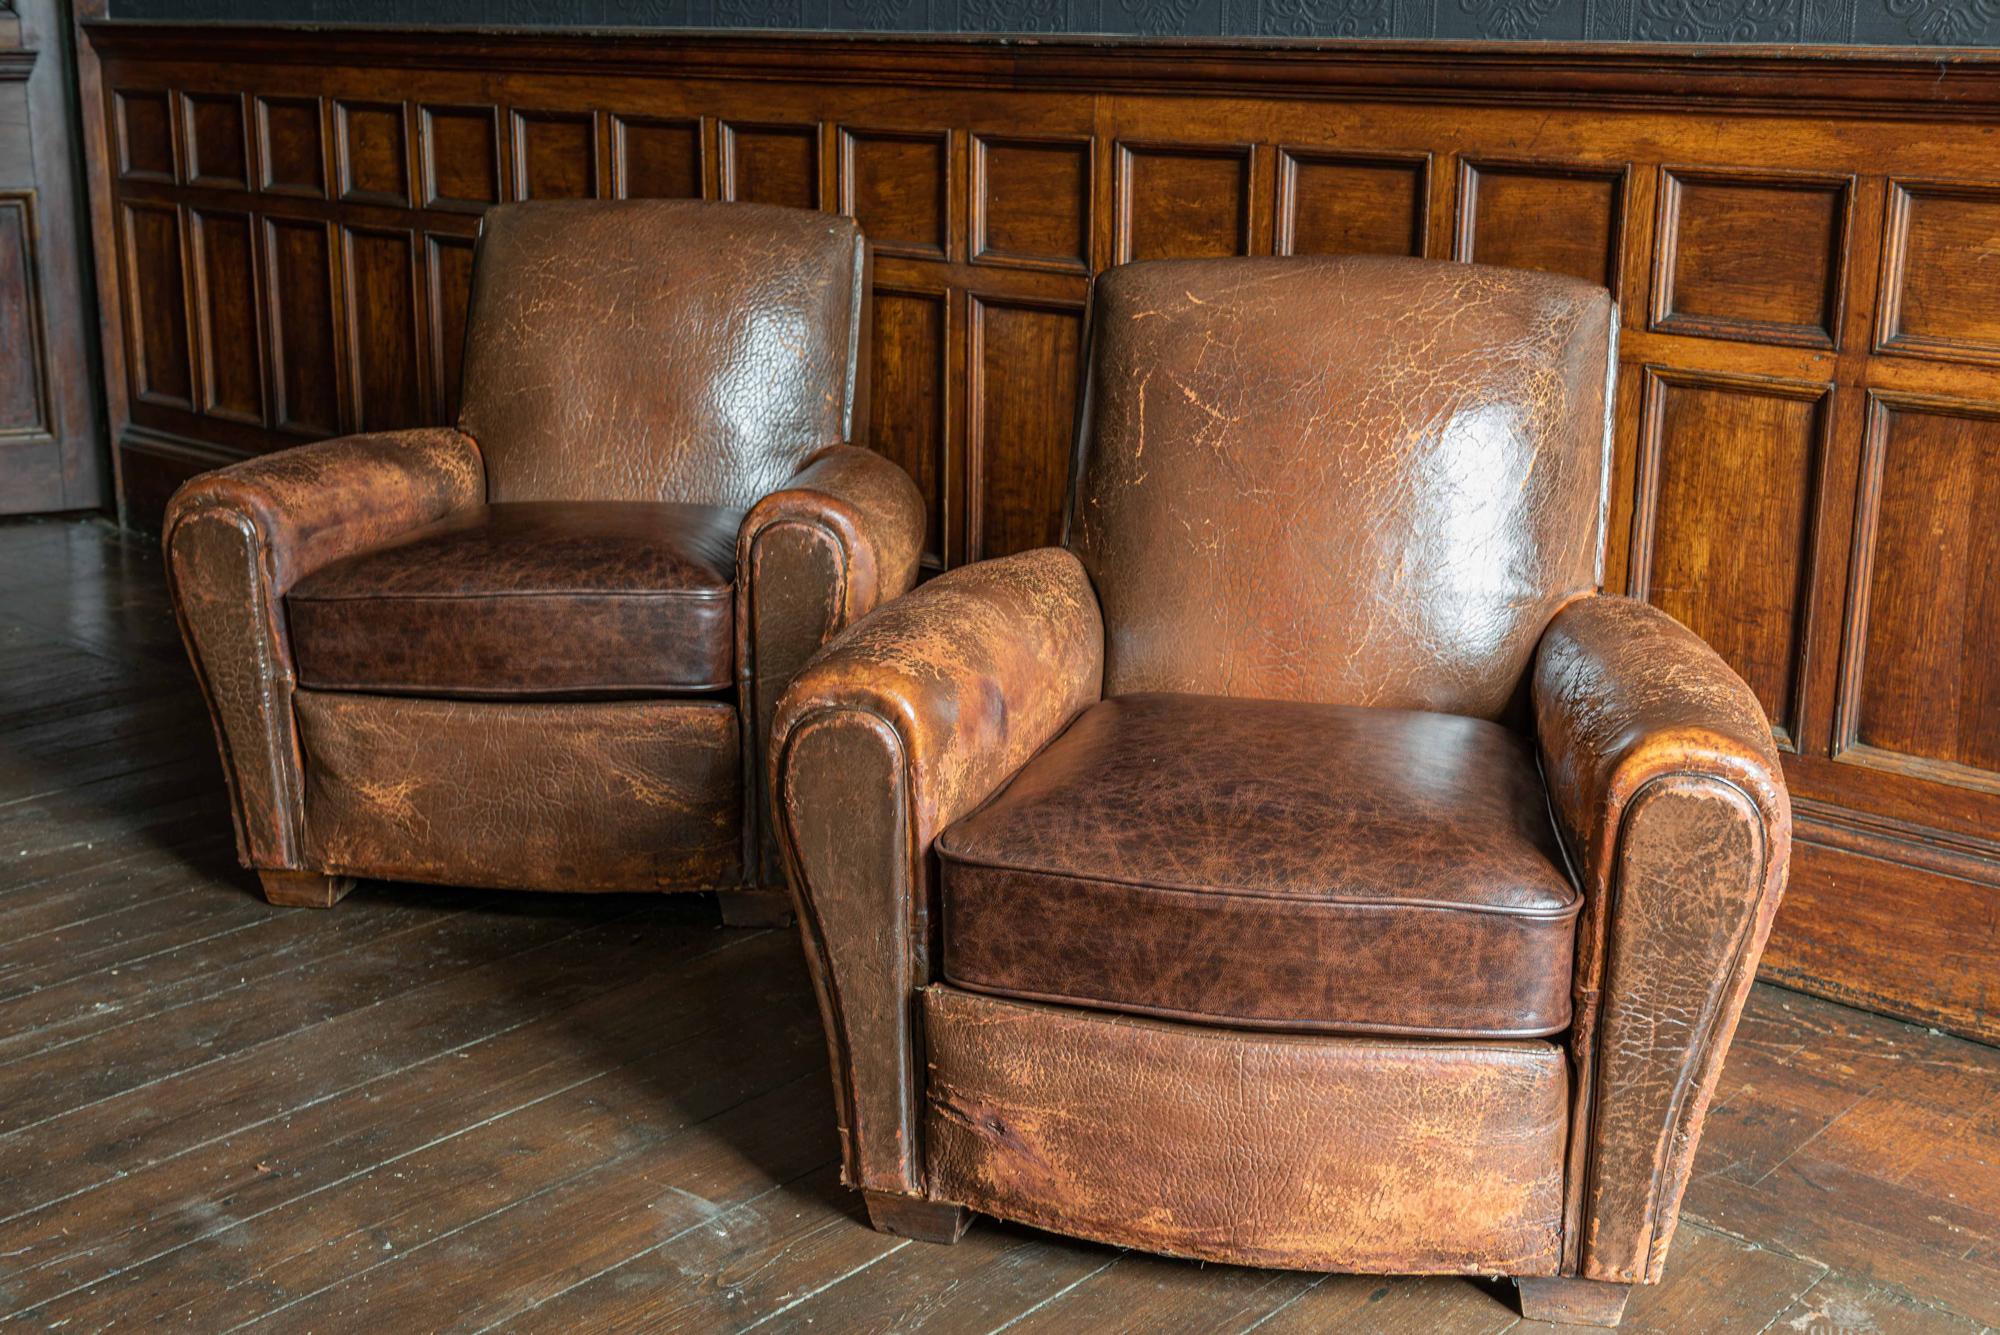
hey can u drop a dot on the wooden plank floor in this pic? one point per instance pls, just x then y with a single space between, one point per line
433 1109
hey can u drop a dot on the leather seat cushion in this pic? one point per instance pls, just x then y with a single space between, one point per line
1271 865
529 599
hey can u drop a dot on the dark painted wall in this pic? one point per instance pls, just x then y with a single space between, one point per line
1872 22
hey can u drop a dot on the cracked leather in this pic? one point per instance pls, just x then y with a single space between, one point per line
1254 1149
1270 864
1356 481
1666 786
236 541
535 599
660 350
844 535
652 353
1339 482
903 723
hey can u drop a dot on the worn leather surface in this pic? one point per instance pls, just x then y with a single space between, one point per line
533 599
1667 789
1362 481
844 534
904 722
652 353
237 539
1316 1153
632 795
660 350
1270 864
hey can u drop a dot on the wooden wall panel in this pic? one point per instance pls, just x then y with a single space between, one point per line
771 164
1719 273
291 146
1337 203
1723 523
1183 201
372 152
1941 268
1809 390
461 157
1025 359
656 159
1922 680
1558 217
229 344
898 186
449 264
382 322
157 306
908 420
555 155
216 133
144 132
305 379
1031 202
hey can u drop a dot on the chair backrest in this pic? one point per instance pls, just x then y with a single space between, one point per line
1357 481
660 350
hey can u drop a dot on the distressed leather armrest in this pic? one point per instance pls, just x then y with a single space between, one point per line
902 724
842 536
1668 794
238 538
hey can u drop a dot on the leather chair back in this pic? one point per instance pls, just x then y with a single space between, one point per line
1358 481
660 350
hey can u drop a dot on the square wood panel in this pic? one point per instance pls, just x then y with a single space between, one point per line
1757 256
461 154
145 135
771 164
897 185
1031 202
555 155
379 275
1558 217
290 149
1333 203
218 140
1920 663
1940 268
656 159
371 149
1722 528
1183 201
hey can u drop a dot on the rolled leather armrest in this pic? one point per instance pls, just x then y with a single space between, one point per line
842 536
238 538
1667 791
902 724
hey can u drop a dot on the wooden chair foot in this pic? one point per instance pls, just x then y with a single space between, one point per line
304 889
914 1217
755 908
1575 1302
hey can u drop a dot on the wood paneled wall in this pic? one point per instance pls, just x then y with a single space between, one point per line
1804 246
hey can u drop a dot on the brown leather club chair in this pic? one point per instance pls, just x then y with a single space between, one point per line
541 650
1303 866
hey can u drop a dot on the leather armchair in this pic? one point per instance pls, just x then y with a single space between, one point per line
541 649
1304 866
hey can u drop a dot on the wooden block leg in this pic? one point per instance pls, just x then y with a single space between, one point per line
755 908
913 1217
304 889
1575 1302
